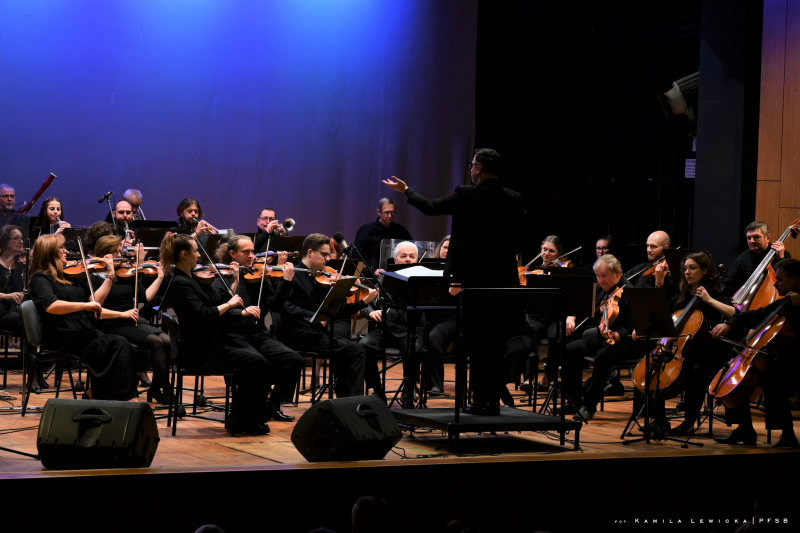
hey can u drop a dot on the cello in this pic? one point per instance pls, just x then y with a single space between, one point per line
670 359
759 289
739 381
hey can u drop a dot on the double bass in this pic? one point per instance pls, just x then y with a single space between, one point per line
739 381
670 361
759 289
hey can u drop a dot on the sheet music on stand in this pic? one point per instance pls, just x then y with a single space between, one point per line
417 286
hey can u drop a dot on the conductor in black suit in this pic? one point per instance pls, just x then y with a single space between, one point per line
484 320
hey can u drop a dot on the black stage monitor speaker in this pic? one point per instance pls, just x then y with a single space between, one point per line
346 429
82 434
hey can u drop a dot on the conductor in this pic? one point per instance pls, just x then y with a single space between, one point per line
483 318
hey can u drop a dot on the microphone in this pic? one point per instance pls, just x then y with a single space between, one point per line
105 197
339 237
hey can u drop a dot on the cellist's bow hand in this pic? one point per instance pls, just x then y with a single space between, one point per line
396 184
720 330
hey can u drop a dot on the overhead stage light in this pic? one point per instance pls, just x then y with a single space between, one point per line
682 99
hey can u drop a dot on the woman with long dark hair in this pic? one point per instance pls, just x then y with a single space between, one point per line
199 310
66 312
51 217
118 295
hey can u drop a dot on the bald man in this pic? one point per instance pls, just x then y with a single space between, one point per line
134 198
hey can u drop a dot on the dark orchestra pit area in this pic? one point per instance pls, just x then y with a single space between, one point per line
527 469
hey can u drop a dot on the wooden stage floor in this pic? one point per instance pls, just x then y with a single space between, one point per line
201 445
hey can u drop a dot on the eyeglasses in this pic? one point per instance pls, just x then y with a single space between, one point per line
62 249
18 238
471 165
326 255
267 219
690 268
603 248
387 213
8 196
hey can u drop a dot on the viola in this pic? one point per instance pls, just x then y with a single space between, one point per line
739 380
76 269
650 271
671 360
610 310
759 289
207 274
148 269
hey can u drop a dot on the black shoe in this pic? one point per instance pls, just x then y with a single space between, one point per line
257 429
683 429
746 436
277 414
614 389
161 397
787 440
438 393
145 383
36 389
583 412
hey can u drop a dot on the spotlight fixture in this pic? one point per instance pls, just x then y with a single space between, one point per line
682 99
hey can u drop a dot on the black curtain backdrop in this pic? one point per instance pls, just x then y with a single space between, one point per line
303 105
567 94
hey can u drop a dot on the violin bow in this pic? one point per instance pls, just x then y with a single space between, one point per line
263 272
532 260
86 271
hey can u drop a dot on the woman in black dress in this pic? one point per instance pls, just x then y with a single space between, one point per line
11 284
51 218
66 314
712 354
203 343
117 295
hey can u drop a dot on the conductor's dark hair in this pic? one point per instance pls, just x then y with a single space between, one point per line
490 160
791 267
188 202
314 241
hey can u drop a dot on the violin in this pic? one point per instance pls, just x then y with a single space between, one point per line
739 380
329 276
522 270
759 290
206 274
650 271
670 361
76 269
610 309
148 269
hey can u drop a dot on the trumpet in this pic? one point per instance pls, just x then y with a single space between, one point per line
138 214
287 226
209 229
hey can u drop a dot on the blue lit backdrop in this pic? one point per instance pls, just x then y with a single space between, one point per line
302 105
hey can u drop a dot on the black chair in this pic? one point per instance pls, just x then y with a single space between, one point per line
34 340
618 367
317 361
180 371
6 340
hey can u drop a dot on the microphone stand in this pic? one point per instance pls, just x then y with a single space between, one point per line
111 212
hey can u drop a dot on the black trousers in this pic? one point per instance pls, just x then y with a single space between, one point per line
440 337
348 357
518 348
546 328
778 383
250 370
706 362
606 355
373 344
286 363
9 321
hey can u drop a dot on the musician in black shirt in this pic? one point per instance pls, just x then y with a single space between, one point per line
300 334
594 342
371 235
780 377
758 245
245 327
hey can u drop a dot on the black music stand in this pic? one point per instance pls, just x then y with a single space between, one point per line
674 257
286 244
151 237
580 292
336 296
651 314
